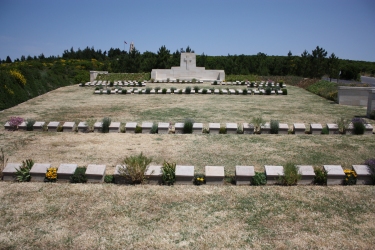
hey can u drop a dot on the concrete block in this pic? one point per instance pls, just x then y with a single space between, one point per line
38 126
179 128
214 175
266 128
153 175
335 174
95 173
82 127
69 126
332 128
114 127
65 171
316 128
244 175
214 128
163 128
299 128
38 171
273 173
22 126
130 127
248 128
307 174
52 126
146 127
197 128
283 128
98 127
363 174
231 128
9 172
184 175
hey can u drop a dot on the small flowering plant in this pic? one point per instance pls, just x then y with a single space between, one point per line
350 177
199 179
51 175
15 121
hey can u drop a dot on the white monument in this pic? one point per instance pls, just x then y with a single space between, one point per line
188 71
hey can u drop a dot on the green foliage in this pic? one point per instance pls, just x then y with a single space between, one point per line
109 178
180 92
274 127
157 89
124 91
372 114
258 122
138 129
325 130
342 124
90 124
3 162
154 128
134 168
259 179
291 175
358 126
105 124
164 91
268 91
108 91
285 91
320 176
324 89
187 90
222 130
148 90
215 82
199 179
350 177
196 89
168 173
173 89
79 175
29 124
244 92
204 91
188 126
23 173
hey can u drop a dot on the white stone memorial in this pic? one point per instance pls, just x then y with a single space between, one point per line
52 126
95 173
38 172
153 175
283 128
335 174
214 128
231 128
98 127
38 126
332 128
214 175
82 127
130 127
146 127
273 173
266 128
363 174
316 128
299 128
69 126
244 175
197 128
179 128
65 171
114 127
307 174
9 172
184 175
248 128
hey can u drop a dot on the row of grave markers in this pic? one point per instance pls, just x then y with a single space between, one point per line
214 175
177 128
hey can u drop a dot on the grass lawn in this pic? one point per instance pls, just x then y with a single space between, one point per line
39 215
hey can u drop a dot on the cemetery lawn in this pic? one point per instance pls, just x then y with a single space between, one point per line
85 216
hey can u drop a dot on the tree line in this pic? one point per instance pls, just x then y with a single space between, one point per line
313 65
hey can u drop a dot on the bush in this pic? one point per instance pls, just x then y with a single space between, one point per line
173 89
138 129
134 168
350 177
148 90
291 175
196 89
371 165
140 84
29 124
325 130
124 91
168 173
215 82
252 84
164 91
152 80
194 81
188 126
268 91
285 91
109 178
79 175
105 124
342 124
222 130
204 91
154 128
259 179
90 124
108 91
157 89
358 126
274 127
244 91
281 84
320 176
258 122
15 121
111 84
180 92
23 173
187 90
199 179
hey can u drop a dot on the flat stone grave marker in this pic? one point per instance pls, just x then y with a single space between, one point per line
216 91
307 174
153 175
97 91
38 171
244 175
273 92
130 127
118 178
179 128
214 128
299 128
197 128
52 126
240 91
209 91
7 126
231 128
316 128
146 127
64 172
184 175
200 91
256 92
38 126
335 174
152 91
22 126
232 91
214 175
113 91
98 127
266 128
368 129
273 173
163 128
248 128
280 92
82 127
224 91
283 128
168 91
332 128
363 174
114 127
9 172
89 83
69 126
95 173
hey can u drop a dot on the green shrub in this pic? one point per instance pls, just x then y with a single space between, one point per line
177 80
180 91
258 122
285 91
154 128
157 89
222 130
108 91
291 175
173 89
268 91
138 129
164 91
199 179
244 91
194 81
239 129
134 168
152 80
252 84
259 179
109 178
183 81
140 84
168 173
79 175
358 126
90 124
274 127
124 91
96 88
111 84
236 92
29 124
196 89
320 176
23 173
325 130
281 84
105 124
188 126
148 90
204 91
215 82
187 90
342 124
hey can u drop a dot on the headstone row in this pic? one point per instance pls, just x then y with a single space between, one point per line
214 175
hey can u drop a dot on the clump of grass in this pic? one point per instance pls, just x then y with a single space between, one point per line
187 90
134 168
29 124
320 176
291 175
274 129
138 129
258 122
259 179
105 124
109 178
79 175
90 124
168 173
358 126
188 126
154 128
223 130
342 124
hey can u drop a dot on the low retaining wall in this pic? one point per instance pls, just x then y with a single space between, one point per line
354 96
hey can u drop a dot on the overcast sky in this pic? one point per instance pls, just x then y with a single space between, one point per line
213 27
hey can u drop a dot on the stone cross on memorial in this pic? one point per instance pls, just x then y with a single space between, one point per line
187 61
